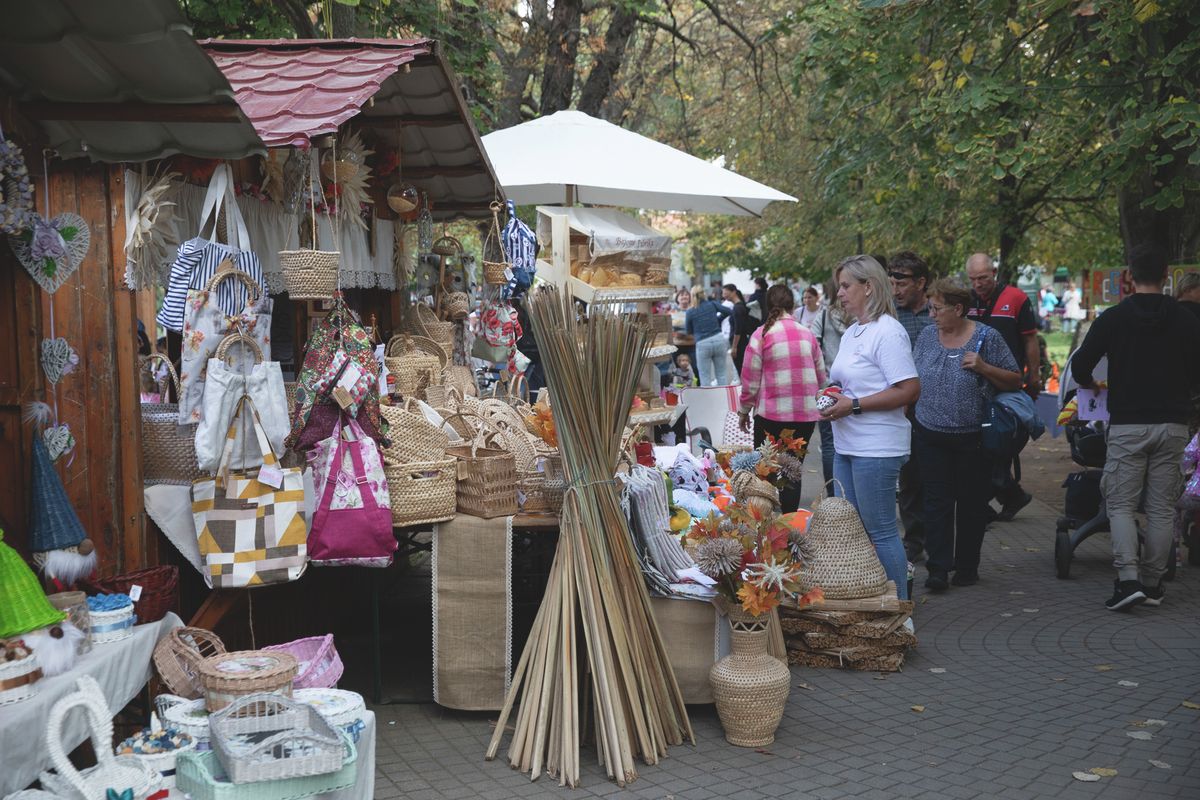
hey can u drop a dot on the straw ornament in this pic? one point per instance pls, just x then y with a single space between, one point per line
716 557
150 232
346 168
58 358
16 190
52 249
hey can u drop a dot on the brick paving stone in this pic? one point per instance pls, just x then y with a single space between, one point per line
1019 707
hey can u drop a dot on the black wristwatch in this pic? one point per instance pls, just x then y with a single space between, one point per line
855 406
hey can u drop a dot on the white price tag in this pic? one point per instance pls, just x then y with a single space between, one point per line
135 592
541 464
508 274
271 475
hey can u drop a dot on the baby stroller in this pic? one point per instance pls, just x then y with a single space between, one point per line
1084 513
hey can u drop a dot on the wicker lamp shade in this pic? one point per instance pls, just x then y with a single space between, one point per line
843 561
23 604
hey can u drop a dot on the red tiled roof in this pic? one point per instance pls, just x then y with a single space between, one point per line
295 89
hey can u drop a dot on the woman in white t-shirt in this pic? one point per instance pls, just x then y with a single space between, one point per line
874 366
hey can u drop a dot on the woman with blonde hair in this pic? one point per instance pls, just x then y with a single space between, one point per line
781 375
703 323
871 433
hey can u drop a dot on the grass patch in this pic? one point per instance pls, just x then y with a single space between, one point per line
1058 346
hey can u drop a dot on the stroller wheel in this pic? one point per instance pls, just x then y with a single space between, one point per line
1062 553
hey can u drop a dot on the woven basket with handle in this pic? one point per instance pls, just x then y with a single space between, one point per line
310 274
415 362
177 658
168 448
422 492
487 472
427 324
493 271
843 561
414 438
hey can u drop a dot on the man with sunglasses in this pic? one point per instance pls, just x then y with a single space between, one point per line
910 276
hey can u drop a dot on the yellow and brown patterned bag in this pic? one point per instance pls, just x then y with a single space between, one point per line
250 523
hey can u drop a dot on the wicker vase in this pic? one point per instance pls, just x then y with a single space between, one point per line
749 685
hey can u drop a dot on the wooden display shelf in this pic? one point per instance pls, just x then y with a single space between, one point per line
661 353
658 416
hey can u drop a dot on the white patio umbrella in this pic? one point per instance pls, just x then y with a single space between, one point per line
570 157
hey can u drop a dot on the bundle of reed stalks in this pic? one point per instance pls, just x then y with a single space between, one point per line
596 587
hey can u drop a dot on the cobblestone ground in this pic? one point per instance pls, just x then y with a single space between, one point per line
1024 679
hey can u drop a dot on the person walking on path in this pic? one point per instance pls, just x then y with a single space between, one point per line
703 323
961 364
910 278
1153 350
1073 312
810 308
781 377
828 327
743 325
1008 310
871 433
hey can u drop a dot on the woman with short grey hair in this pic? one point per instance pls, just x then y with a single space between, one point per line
875 369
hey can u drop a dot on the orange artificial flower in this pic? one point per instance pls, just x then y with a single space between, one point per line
757 601
811 598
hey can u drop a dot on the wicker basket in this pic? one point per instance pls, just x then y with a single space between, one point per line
111 626
456 305
160 590
415 362
265 737
487 476
184 715
414 438
200 775
422 492
228 676
162 763
177 658
342 709
309 274
75 604
843 561
168 448
320 665
21 677
428 325
657 275
461 378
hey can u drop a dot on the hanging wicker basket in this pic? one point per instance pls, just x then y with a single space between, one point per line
310 274
843 561
168 448
494 272
456 305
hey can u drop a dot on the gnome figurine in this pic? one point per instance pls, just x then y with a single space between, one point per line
60 546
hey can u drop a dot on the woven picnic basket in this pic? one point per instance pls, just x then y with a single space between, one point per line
487 472
168 448
309 274
178 655
413 438
542 495
320 665
422 492
843 561
229 676
160 590
415 362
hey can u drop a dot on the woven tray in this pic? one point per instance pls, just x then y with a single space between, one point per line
320 664
265 737
201 776
889 663
228 676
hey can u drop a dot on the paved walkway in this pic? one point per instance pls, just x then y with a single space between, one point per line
1024 679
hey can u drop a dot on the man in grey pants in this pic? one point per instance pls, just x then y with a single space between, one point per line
1153 350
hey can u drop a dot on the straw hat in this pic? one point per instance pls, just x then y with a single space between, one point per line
23 604
843 561
56 536
753 491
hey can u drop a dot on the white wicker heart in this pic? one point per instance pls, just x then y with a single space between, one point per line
111 771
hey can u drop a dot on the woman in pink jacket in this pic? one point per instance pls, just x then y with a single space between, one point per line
781 375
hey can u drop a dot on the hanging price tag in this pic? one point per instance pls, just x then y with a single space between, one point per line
135 592
508 273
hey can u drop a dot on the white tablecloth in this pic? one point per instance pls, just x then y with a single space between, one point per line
121 668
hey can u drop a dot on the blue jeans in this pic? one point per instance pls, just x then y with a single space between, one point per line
712 360
870 485
826 429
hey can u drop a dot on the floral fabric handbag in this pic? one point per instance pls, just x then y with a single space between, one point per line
352 524
205 325
250 523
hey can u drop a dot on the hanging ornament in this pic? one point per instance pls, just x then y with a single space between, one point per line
425 226
150 233
295 177
59 441
345 166
52 249
58 359
16 190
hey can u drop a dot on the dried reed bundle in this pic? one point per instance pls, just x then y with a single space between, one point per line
595 584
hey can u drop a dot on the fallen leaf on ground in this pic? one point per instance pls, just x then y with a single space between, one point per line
924 600
803 685
1144 736
1103 772
1033 549
1030 610
918 709
1059 680
1190 704
1005 547
881 677
1006 614
1159 764
1104 667
937 670
765 752
1016 593
1127 683
1086 777
1156 723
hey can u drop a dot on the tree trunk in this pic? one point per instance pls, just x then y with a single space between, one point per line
1176 230
345 21
558 77
608 61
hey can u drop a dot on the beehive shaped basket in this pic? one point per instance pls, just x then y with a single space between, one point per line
843 561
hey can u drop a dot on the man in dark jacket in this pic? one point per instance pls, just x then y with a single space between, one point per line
1153 350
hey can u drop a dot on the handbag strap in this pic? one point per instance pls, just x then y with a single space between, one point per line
264 443
253 291
150 359
356 459
220 196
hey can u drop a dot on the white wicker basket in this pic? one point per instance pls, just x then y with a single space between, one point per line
111 771
186 716
112 626
342 709
22 676
164 763
262 737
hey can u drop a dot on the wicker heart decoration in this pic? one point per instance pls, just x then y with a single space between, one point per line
58 358
59 440
53 249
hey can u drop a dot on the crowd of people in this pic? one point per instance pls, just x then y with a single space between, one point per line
920 366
